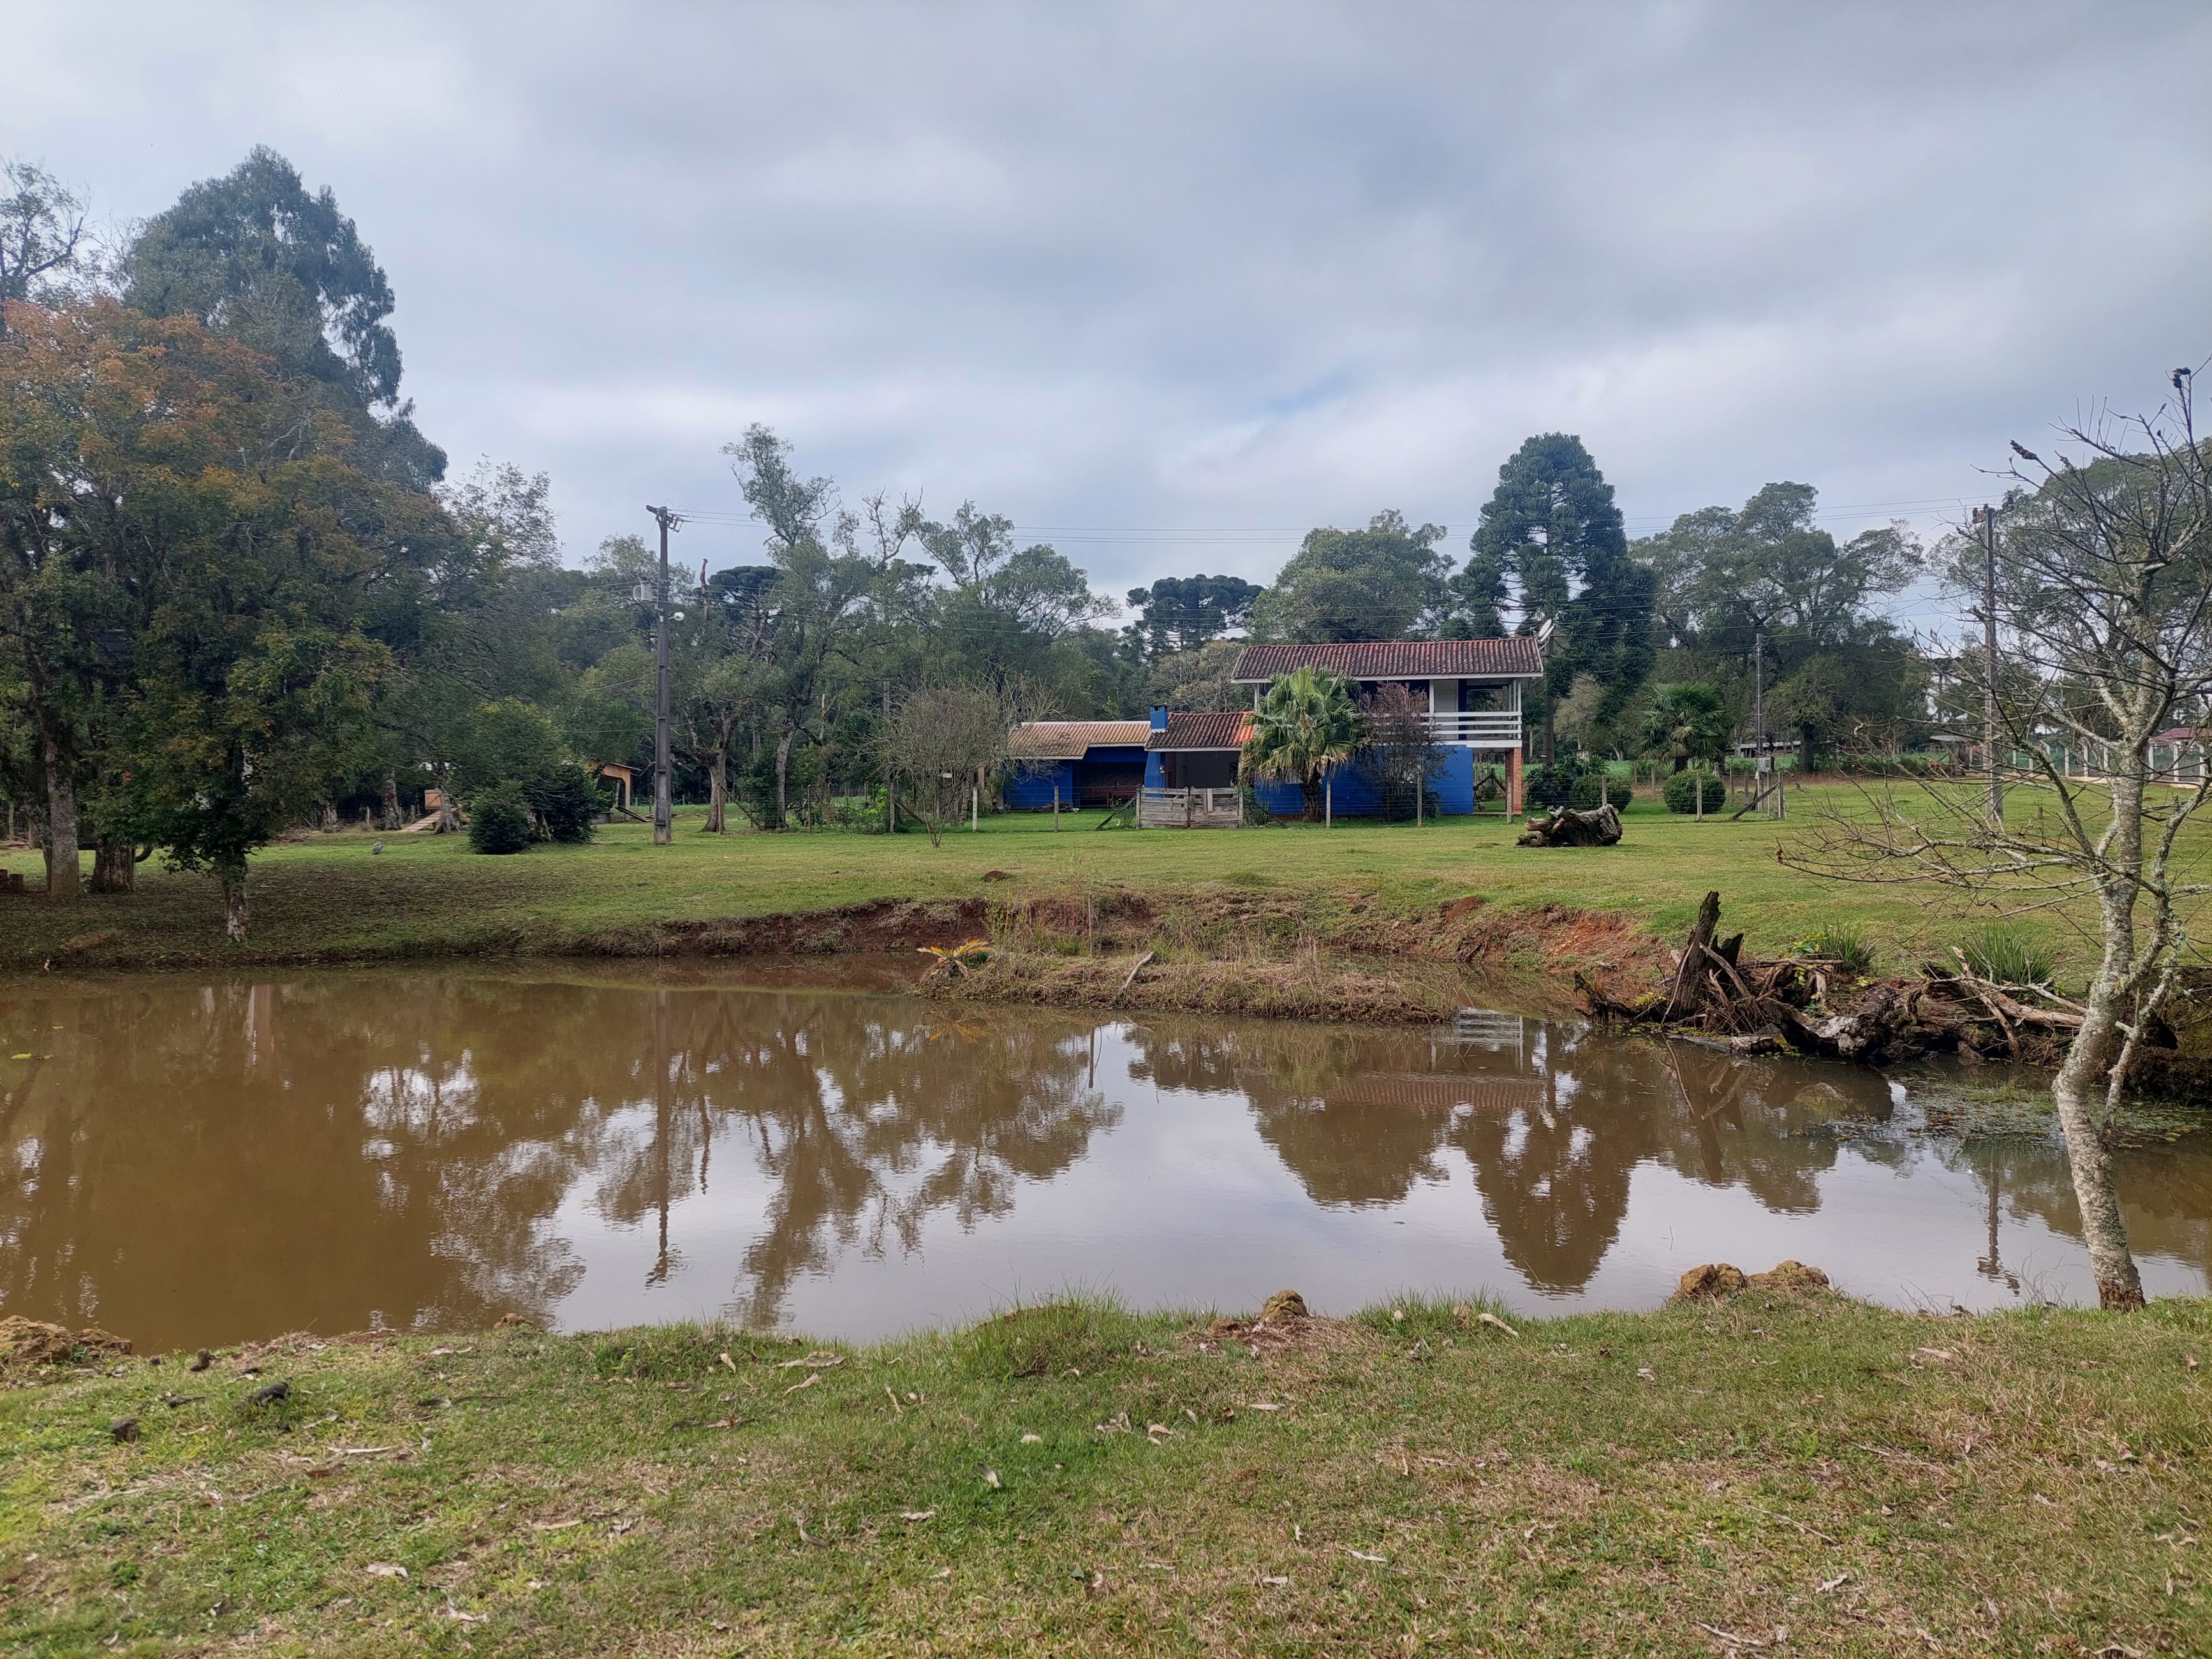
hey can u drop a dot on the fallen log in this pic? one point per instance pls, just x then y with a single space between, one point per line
1565 827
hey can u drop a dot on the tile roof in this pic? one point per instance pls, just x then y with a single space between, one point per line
1069 739
1204 731
1514 657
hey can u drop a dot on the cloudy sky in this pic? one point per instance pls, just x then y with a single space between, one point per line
1168 283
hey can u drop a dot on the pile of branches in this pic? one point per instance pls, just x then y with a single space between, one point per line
1747 1004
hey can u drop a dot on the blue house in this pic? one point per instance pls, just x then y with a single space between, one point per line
1087 763
1472 689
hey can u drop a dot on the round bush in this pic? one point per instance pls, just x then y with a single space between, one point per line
499 821
1682 792
568 802
1594 789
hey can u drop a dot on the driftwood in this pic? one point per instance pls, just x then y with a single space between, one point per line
1718 998
1564 827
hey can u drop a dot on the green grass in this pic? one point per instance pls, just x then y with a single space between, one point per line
327 898
1079 1479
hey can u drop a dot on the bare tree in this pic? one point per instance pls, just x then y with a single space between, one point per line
2103 586
940 743
1401 752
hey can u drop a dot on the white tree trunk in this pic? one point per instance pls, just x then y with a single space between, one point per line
233 904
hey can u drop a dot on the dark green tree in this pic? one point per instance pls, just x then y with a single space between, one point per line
1552 532
1182 613
254 255
1385 582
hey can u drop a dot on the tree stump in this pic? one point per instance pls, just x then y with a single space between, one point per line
1564 827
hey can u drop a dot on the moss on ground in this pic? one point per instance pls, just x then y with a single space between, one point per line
1075 1479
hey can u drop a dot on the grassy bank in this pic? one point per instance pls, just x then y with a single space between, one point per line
329 898
1074 1480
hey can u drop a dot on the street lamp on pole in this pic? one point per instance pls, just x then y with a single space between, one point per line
664 811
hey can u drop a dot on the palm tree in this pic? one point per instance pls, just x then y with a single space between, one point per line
1689 722
1307 722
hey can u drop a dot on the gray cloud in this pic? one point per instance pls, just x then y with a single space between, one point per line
1228 266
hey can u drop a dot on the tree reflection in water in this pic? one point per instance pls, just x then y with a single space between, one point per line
191 1164
1553 1119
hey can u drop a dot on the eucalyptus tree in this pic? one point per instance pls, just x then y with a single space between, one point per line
254 255
826 588
42 234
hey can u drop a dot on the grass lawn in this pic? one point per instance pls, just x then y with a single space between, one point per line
1774 1473
327 898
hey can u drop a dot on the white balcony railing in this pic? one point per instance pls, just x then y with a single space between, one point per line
1500 729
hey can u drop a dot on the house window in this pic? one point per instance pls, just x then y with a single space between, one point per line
1485 697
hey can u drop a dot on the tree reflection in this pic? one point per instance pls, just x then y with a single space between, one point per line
1552 1118
191 1163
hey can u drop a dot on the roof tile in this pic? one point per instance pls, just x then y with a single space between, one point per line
1204 731
1070 739
1513 657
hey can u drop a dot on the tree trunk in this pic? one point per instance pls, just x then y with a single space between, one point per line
1310 790
391 820
783 780
718 790
114 868
2075 1090
65 884
233 903
449 814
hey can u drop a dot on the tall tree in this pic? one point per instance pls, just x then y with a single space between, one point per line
1385 582
1552 530
824 588
256 256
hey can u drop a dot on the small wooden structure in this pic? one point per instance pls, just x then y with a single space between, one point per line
1190 809
619 775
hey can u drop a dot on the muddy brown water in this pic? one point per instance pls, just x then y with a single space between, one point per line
186 1161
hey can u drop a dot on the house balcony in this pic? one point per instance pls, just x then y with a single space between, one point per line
1488 729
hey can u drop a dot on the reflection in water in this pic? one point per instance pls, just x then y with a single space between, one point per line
187 1163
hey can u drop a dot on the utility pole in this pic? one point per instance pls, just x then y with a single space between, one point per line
1988 515
664 811
1760 761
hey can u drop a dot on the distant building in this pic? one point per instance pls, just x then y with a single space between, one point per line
1087 763
1473 688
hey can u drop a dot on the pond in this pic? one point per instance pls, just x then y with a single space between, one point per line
194 1162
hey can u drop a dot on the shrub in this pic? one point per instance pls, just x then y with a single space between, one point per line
2004 958
499 821
1843 943
1682 789
567 801
1594 789
1550 785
